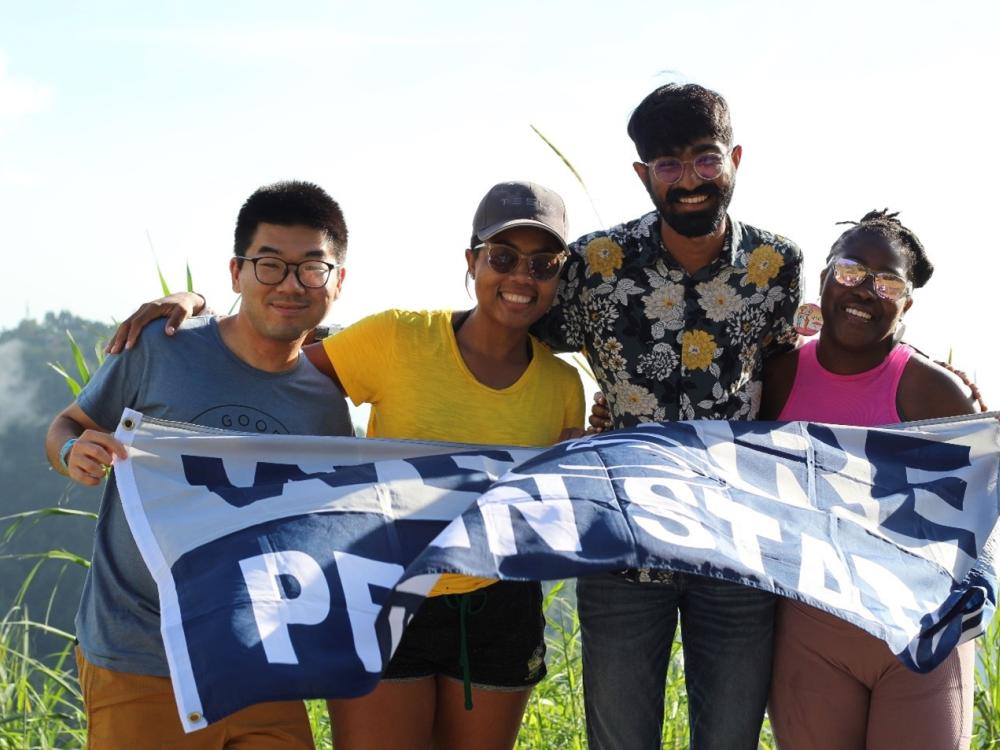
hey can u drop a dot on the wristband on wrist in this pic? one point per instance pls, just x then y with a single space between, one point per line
64 451
204 304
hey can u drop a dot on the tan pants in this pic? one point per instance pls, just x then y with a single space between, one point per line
835 687
137 712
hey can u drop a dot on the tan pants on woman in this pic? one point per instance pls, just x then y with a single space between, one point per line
835 687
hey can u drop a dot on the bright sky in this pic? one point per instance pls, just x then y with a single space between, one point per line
119 119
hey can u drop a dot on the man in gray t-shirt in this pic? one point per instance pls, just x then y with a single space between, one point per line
243 373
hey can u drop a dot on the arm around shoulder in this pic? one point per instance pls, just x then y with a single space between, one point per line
320 359
176 308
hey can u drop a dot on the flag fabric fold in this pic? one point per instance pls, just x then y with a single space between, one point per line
288 566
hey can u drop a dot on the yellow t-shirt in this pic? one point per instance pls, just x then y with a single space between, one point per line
407 365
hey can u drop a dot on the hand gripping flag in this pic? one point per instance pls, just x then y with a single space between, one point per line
289 566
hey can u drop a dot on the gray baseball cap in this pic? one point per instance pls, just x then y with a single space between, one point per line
520 204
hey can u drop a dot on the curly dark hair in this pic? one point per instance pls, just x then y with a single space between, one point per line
886 224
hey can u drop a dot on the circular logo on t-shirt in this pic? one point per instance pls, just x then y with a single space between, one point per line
240 418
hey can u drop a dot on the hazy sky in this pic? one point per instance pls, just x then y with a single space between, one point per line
118 120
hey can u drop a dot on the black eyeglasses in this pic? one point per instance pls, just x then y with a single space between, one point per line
312 274
505 258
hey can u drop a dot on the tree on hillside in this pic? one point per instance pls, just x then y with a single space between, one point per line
31 393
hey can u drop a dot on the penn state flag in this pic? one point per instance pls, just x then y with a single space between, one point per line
288 566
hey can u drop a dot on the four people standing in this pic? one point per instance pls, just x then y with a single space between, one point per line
676 312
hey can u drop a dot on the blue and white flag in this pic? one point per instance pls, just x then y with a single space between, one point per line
288 566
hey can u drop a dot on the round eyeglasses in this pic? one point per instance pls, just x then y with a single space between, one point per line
312 274
505 258
669 170
889 286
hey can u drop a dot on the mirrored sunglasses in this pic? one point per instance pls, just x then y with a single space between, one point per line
505 259
887 285
669 170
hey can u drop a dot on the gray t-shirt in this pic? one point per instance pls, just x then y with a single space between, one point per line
191 377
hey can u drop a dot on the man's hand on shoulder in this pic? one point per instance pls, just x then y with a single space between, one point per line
176 308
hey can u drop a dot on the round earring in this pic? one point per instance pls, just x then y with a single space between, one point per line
808 319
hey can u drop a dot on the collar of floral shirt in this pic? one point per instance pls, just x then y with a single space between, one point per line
727 257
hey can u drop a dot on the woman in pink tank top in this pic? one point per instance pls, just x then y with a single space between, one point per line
834 686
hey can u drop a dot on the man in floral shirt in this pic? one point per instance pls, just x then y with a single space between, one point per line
676 311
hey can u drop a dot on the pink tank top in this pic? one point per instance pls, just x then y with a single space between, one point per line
866 399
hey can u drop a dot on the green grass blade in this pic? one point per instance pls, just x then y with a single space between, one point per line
81 363
52 554
557 152
99 354
584 366
71 383
190 281
54 510
571 168
163 282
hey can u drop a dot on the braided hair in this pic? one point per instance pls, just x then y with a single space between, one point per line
888 226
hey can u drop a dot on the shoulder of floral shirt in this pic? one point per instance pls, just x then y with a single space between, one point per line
746 239
628 232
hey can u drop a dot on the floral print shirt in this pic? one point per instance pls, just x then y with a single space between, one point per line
667 345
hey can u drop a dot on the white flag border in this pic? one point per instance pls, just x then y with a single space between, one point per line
189 707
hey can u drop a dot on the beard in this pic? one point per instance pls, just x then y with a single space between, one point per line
694 223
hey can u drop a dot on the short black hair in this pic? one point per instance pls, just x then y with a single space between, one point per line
674 115
886 224
291 203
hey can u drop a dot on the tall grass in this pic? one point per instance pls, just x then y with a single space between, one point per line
987 716
40 701
41 704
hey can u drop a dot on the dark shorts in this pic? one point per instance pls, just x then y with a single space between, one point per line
505 632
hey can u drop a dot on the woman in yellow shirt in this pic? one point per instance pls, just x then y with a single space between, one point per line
473 377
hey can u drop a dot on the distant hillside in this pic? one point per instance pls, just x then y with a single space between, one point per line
31 393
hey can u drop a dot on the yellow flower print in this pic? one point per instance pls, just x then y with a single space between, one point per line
604 256
697 350
763 265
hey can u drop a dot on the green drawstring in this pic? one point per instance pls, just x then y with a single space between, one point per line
465 607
